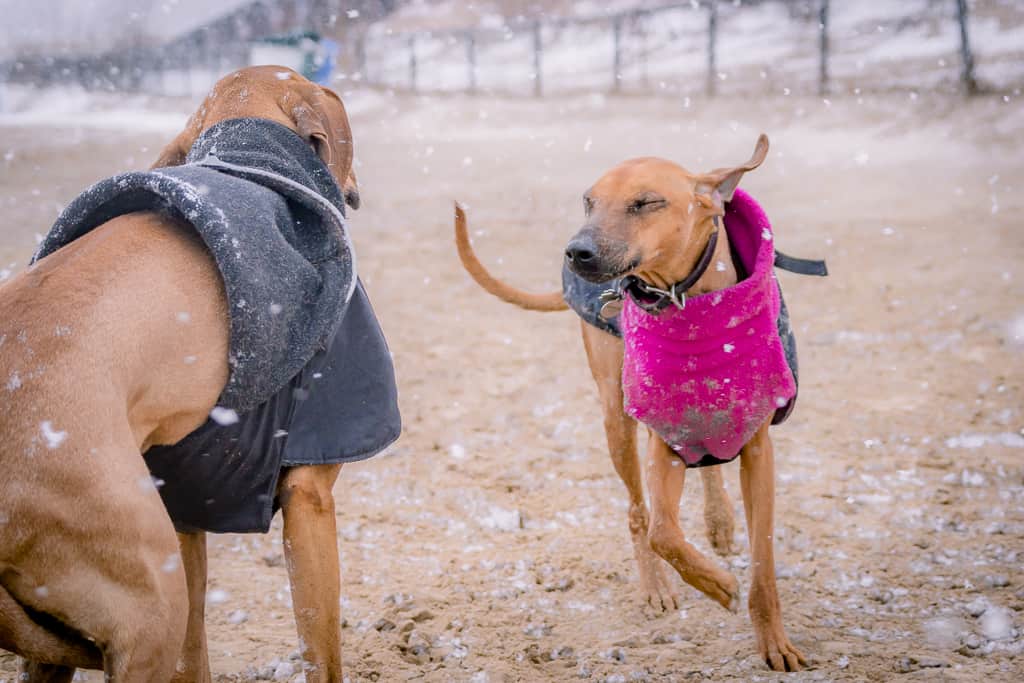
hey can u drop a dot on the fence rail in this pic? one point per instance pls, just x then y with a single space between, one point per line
629 35
701 46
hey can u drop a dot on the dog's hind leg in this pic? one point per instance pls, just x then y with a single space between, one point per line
21 632
106 565
604 353
719 521
666 475
757 479
143 641
194 664
311 551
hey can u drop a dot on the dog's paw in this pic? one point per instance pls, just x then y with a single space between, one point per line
777 652
656 589
720 533
661 598
735 602
727 593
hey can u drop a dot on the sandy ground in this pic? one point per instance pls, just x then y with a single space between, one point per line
490 543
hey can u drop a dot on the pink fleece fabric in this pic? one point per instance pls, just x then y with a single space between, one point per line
706 377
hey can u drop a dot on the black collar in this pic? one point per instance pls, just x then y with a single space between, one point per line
652 299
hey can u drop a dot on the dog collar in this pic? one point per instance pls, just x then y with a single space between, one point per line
654 299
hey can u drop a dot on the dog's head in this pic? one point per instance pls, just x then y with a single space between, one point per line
282 95
651 217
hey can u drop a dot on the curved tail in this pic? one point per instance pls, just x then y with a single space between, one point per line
551 301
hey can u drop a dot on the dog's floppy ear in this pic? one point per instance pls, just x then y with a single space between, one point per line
321 119
719 185
351 189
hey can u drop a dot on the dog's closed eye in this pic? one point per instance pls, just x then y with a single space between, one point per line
646 202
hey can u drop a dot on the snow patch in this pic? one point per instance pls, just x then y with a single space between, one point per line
54 437
975 441
502 519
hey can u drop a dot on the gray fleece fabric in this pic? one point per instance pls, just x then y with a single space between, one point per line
287 265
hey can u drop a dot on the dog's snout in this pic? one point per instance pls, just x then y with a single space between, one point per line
581 250
594 256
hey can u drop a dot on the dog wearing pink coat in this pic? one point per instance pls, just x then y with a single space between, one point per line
686 332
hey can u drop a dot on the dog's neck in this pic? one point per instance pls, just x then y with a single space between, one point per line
720 273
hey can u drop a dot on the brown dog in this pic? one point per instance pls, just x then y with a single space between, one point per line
90 361
651 218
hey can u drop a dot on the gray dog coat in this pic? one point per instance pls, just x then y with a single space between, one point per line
310 376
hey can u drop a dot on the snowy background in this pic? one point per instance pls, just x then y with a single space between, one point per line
490 543
763 47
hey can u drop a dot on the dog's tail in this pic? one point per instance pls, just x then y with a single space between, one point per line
552 301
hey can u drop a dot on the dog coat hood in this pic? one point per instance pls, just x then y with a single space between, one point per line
707 376
271 215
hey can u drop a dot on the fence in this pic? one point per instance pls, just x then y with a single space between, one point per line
700 46
684 47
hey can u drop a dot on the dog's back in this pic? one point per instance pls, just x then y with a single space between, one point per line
87 301
92 372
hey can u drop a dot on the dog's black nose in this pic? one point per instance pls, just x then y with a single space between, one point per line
581 251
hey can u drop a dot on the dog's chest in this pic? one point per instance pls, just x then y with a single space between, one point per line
705 378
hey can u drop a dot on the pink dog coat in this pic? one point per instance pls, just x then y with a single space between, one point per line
707 376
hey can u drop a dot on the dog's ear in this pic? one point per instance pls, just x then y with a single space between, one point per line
321 119
351 189
719 185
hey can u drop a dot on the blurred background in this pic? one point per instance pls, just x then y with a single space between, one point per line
490 543
172 47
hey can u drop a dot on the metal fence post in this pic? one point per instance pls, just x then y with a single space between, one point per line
5 73
538 47
617 60
712 31
645 76
823 45
471 59
966 56
412 62
361 58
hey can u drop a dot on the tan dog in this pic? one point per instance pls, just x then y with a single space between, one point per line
90 361
651 218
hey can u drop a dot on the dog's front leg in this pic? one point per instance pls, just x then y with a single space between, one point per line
194 664
666 475
757 479
604 353
311 550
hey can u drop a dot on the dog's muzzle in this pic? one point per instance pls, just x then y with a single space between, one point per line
595 259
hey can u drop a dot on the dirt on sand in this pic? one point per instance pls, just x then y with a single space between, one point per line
490 543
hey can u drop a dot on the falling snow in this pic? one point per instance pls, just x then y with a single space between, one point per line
223 416
491 542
